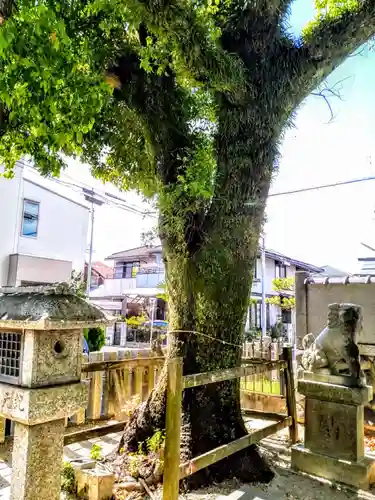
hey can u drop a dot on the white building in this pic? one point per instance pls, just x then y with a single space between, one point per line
43 233
139 272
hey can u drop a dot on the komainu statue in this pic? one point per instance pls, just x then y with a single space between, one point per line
335 350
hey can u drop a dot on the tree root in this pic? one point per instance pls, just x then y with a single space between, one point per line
246 466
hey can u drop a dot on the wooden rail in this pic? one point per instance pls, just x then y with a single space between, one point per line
238 372
119 380
173 470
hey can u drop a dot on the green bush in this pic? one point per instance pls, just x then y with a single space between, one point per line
253 334
276 331
68 483
95 338
96 452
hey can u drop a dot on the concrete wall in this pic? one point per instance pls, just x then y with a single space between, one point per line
313 295
10 216
26 268
62 228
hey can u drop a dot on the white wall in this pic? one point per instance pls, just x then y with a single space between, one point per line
62 227
10 190
270 276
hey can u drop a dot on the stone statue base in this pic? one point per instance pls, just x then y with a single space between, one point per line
326 377
334 433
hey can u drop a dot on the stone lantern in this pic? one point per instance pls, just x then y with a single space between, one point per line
41 330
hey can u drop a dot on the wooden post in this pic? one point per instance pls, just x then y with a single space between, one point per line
173 430
80 417
2 430
95 394
151 377
290 393
109 405
138 382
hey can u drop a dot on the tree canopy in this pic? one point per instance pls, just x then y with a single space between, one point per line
61 60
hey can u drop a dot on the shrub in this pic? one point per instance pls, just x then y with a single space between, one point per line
68 482
96 452
95 338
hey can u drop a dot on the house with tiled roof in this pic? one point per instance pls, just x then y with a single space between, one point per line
138 273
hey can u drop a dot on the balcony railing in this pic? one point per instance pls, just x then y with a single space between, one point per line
117 286
150 277
151 270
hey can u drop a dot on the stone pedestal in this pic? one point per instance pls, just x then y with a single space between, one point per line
41 331
39 426
334 433
36 461
97 484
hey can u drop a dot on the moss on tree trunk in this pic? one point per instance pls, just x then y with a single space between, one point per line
208 298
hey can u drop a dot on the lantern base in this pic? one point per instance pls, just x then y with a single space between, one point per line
37 460
36 406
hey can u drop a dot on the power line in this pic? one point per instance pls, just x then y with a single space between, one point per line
81 187
324 186
125 206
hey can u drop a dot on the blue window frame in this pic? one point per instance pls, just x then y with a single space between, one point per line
30 218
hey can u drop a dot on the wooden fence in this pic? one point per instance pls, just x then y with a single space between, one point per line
265 389
119 380
177 383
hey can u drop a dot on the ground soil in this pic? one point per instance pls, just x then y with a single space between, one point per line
287 485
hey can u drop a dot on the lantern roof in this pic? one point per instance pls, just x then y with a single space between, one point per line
47 307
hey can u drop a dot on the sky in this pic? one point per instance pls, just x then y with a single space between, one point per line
320 227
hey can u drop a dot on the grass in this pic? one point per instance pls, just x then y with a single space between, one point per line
263 385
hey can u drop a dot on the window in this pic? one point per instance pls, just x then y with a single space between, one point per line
255 276
130 269
280 270
255 314
286 316
30 218
126 269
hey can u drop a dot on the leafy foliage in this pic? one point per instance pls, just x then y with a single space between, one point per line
68 482
162 291
156 441
135 321
283 284
109 80
96 452
149 237
78 284
95 338
283 302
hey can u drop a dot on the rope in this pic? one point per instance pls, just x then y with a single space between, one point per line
207 336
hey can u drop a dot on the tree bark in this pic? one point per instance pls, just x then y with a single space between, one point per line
208 299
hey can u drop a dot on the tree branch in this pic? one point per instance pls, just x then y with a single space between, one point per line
331 40
6 7
192 38
325 92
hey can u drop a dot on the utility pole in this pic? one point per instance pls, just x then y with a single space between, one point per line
153 304
89 196
264 309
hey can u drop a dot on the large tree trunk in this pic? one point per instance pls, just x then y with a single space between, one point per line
209 252
209 295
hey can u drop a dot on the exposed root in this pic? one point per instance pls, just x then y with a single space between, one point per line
247 465
211 417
